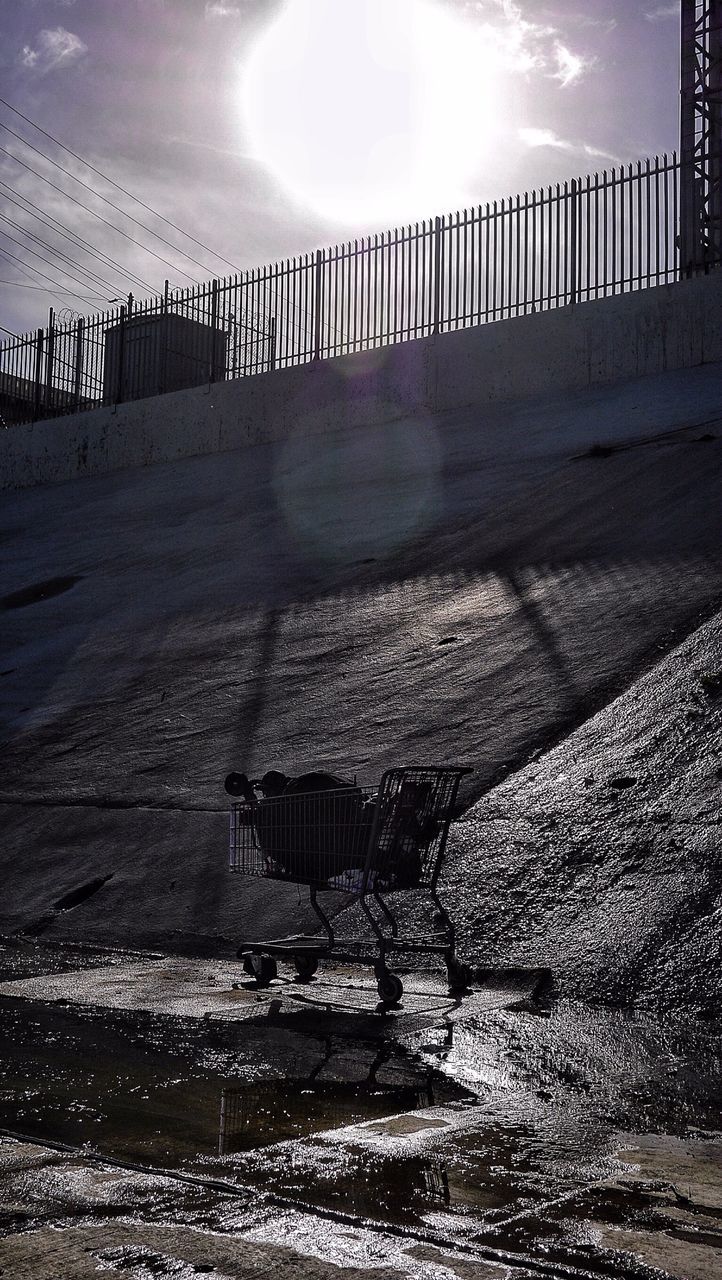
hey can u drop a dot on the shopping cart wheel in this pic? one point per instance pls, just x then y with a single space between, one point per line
459 975
306 966
263 968
390 988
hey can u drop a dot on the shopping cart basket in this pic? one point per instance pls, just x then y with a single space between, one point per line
366 842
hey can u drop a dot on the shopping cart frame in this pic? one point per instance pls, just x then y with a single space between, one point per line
375 880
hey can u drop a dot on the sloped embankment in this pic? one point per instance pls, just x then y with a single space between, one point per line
603 858
466 589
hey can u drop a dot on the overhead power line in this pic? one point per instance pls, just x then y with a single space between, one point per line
123 213
26 270
20 284
144 227
58 284
48 262
118 187
42 215
111 288
296 306
80 205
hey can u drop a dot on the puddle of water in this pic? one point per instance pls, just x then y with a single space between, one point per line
339 1124
485 1175
281 1110
171 1091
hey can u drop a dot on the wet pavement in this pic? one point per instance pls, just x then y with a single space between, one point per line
503 1133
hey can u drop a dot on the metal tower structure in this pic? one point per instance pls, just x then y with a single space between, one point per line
700 238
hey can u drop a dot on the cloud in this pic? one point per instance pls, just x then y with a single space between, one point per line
208 146
544 138
662 11
221 9
54 47
605 25
570 66
532 137
525 46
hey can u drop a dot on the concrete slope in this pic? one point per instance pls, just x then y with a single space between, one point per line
459 589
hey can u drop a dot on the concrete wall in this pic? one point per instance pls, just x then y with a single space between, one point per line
671 327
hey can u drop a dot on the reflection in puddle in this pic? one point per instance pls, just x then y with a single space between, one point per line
280 1110
147 1088
354 1181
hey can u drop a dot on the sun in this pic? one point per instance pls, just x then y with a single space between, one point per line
370 110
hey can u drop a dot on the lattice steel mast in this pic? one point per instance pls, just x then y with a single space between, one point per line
700 238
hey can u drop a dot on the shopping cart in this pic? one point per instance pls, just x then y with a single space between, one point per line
365 842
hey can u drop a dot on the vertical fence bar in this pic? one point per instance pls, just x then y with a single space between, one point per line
318 305
214 332
121 357
437 276
573 240
272 343
78 362
534 220
38 373
49 365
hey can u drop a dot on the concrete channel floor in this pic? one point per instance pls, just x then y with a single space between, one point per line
204 1125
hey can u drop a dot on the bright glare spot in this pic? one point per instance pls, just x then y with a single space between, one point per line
366 493
371 110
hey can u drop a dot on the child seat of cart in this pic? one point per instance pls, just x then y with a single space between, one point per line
407 828
318 828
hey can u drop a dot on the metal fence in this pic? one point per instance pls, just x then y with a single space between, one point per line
577 241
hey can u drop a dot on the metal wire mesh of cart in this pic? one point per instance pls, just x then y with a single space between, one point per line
350 838
313 837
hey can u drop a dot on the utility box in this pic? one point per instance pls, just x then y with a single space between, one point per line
147 355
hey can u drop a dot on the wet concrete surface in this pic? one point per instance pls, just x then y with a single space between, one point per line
501 1133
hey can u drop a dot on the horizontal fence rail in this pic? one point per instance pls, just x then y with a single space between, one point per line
577 241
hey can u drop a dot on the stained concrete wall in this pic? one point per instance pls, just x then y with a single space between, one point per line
672 327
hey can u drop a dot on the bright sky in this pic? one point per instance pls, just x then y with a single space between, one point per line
266 128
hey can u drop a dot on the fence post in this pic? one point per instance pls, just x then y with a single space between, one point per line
121 357
272 342
78 361
38 373
49 362
437 275
318 306
214 331
573 241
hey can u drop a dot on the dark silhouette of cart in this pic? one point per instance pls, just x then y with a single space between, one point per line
367 842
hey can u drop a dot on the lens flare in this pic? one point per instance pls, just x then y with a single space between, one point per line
363 494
